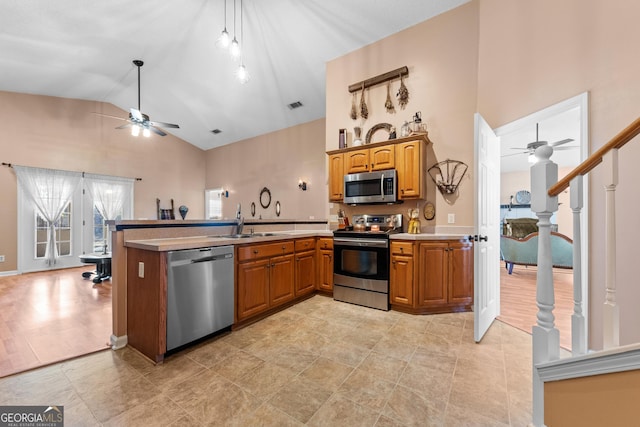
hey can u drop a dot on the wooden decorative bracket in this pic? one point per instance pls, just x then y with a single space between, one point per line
395 74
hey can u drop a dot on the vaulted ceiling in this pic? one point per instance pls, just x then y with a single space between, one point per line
84 50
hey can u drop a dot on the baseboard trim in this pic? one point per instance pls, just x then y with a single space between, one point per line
8 273
118 342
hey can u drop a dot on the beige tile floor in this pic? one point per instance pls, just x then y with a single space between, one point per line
318 363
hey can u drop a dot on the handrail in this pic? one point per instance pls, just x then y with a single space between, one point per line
626 135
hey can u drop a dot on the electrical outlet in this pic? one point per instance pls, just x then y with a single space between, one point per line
1 258
141 270
451 219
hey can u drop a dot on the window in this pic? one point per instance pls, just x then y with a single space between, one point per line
62 232
101 231
213 203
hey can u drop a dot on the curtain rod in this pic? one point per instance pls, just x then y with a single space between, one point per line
9 165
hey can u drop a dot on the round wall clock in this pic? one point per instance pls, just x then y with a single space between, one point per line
523 197
429 211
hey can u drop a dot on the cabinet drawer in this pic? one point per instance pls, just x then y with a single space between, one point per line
325 243
305 244
402 248
250 252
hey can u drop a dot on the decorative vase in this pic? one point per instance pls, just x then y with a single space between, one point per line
183 211
357 132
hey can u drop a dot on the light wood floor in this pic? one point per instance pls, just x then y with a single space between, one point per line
518 300
47 317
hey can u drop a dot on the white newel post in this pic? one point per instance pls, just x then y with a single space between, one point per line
546 338
578 327
611 315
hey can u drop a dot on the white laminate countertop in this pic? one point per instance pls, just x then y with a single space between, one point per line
195 242
428 236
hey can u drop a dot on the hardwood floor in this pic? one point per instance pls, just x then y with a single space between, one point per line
518 300
47 317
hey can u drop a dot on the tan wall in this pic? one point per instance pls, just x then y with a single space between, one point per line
277 161
536 53
595 401
59 133
442 55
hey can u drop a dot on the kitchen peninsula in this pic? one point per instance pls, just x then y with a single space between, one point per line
277 268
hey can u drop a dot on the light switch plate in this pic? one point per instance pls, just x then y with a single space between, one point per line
141 270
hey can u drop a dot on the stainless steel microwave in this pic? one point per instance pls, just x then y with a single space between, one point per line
371 188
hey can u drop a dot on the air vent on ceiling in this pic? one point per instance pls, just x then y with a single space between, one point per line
295 105
216 131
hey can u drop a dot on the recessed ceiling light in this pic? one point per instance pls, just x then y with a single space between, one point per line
295 105
216 131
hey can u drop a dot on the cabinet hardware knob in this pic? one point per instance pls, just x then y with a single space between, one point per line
255 251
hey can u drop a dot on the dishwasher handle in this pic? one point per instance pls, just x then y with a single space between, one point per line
212 258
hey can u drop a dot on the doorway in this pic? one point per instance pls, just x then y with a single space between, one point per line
567 120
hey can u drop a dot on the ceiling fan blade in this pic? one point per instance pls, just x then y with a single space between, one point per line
571 147
157 130
107 115
165 125
124 126
563 141
515 154
136 114
520 148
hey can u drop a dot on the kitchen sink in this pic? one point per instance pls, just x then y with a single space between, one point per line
248 235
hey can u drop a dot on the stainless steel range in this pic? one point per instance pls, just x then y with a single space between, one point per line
361 260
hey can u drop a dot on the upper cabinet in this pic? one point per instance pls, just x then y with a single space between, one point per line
406 155
370 159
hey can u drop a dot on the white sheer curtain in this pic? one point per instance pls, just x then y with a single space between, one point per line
50 191
109 193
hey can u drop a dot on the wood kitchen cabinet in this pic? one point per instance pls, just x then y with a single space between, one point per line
265 277
336 177
431 276
401 274
410 163
325 264
305 266
370 159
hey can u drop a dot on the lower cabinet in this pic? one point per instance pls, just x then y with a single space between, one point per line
265 277
325 264
432 276
305 266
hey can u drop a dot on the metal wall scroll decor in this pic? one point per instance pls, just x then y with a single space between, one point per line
447 175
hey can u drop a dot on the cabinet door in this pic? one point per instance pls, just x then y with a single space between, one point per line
460 272
433 258
325 269
305 272
336 177
357 161
382 158
281 286
401 280
253 288
409 165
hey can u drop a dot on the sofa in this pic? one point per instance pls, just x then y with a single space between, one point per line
524 251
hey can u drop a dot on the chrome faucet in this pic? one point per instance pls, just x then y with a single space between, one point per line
240 219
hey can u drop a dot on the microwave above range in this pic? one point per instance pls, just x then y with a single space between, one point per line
369 188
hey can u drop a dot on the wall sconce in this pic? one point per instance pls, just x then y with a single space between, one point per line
302 185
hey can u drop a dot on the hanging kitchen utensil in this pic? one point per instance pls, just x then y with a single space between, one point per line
364 111
388 103
403 94
447 175
354 110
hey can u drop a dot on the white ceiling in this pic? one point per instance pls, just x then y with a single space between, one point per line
551 129
84 50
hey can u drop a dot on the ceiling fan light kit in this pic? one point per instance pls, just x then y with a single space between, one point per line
531 147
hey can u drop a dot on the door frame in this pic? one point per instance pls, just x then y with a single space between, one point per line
581 101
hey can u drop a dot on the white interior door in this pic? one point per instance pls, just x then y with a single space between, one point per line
486 299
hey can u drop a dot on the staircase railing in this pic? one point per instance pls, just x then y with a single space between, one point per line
545 189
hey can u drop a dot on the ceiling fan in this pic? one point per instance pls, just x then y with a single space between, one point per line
139 121
531 147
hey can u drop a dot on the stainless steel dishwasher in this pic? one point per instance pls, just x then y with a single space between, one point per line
200 296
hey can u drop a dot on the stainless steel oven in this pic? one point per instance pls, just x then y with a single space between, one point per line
361 261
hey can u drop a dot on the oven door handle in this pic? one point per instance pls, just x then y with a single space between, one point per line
346 241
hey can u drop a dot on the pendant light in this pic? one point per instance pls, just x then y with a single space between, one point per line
223 40
234 48
242 74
